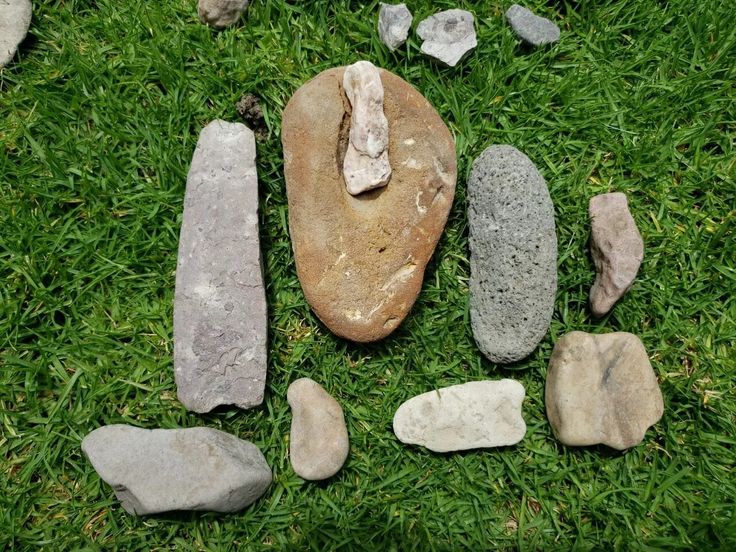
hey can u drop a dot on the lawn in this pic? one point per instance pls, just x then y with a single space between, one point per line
99 116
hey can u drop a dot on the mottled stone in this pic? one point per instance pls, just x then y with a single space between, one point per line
394 22
601 389
531 28
479 414
448 35
617 250
361 259
318 444
160 470
220 322
221 13
15 18
513 254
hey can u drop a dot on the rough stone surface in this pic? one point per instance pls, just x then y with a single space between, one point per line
513 254
221 13
448 36
220 302
394 22
160 470
361 259
249 108
617 250
531 28
318 445
601 389
366 165
15 18
478 414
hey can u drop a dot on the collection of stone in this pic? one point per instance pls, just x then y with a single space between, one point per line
370 171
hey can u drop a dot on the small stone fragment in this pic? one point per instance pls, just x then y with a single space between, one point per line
513 254
249 108
220 322
319 441
15 18
617 250
531 28
221 13
479 414
394 22
160 470
448 35
601 389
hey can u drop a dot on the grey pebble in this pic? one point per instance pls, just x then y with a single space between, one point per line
394 22
448 35
531 28
15 18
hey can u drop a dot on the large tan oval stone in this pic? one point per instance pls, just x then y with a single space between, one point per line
361 260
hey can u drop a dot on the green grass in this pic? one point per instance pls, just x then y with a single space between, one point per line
99 115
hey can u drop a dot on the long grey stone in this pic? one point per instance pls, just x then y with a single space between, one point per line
220 324
513 254
532 28
159 470
15 18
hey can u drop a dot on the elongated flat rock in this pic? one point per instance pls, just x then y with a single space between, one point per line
531 28
479 414
220 322
361 259
601 389
15 18
513 254
160 470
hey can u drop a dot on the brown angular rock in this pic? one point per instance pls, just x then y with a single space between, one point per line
361 260
617 250
601 389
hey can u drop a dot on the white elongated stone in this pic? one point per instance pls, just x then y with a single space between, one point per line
394 22
448 35
479 414
15 18
366 165
220 303
160 470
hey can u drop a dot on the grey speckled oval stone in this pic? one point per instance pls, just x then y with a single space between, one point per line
513 254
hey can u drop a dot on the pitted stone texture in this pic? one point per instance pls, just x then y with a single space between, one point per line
15 18
221 13
220 323
617 250
160 470
448 36
394 22
361 259
478 414
531 28
513 254
318 445
601 389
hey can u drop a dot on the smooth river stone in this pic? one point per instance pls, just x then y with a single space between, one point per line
15 18
361 260
160 470
220 323
318 444
479 414
601 389
513 254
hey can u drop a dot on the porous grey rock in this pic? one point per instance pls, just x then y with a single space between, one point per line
601 389
221 13
448 35
160 470
531 28
394 22
220 322
513 254
479 414
617 250
15 18
318 444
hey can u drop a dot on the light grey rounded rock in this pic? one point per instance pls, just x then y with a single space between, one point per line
513 254
160 470
531 28
394 22
448 35
221 13
15 18
318 444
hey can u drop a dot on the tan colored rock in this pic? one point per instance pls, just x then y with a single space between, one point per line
601 389
617 250
361 259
